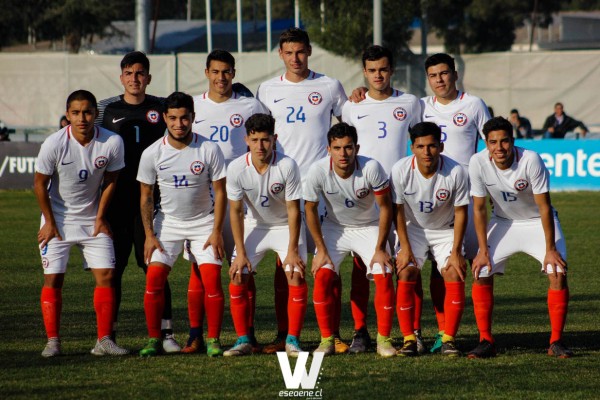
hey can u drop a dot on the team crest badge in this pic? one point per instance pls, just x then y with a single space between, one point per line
197 167
277 188
521 184
315 98
442 194
153 116
236 120
400 114
459 119
45 262
100 162
362 193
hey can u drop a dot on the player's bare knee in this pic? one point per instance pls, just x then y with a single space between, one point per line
450 275
484 281
409 274
103 276
557 282
296 280
54 281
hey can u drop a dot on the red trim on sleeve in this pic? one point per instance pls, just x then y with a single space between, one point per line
165 140
462 95
382 191
69 132
412 162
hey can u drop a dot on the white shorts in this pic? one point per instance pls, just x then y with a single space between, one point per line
98 251
340 241
430 243
172 235
227 239
507 237
259 239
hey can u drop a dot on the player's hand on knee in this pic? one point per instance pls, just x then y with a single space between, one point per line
102 226
384 259
457 263
358 94
405 258
218 245
481 260
46 233
150 245
553 261
237 268
295 264
319 260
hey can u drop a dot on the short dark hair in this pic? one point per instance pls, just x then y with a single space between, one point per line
179 100
82 95
375 53
260 123
498 124
440 58
135 57
514 111
423 129
294 35
342 130
559 104
220 55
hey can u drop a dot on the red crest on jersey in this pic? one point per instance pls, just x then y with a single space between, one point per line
100 162
153 116
521 184
315 98
236 120
442 194
277 188
45 262
362 193
460 119
400 114
197 167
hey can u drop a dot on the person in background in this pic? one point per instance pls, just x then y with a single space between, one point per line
558 124
521 125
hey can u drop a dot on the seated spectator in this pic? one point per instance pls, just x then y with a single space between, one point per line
521 125
3 133
63 122
558 124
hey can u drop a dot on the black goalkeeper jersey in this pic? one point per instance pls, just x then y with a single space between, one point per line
139 125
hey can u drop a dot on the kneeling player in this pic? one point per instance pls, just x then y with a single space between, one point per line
73 165
523 220
185 165
269 183
350 185
431 196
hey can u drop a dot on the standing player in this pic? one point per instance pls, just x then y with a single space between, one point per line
136 117
431 194
382 121
184 165
269 184
350 185
220 116
302 102
523 220
75 179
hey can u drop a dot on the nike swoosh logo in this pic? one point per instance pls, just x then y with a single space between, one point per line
318 302
115 120
362 116
247 190
428 116
295 299
162 167
277 100
328 192
409 194
405 308
456 302
234 297
213 295
490 184
197 122
387 307
66 163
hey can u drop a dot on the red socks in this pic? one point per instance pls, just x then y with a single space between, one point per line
238 297
384 303
297 308
438 295
104 304
324 301
51 301
359 294
154 298
281 297
195 297
214 301
558 301
454 306
483 305
405 304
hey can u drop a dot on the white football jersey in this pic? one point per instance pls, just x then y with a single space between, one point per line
302 113
265 195
223 123
512 189
77 172
382 125
350 201
429 202
461 122
183 176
